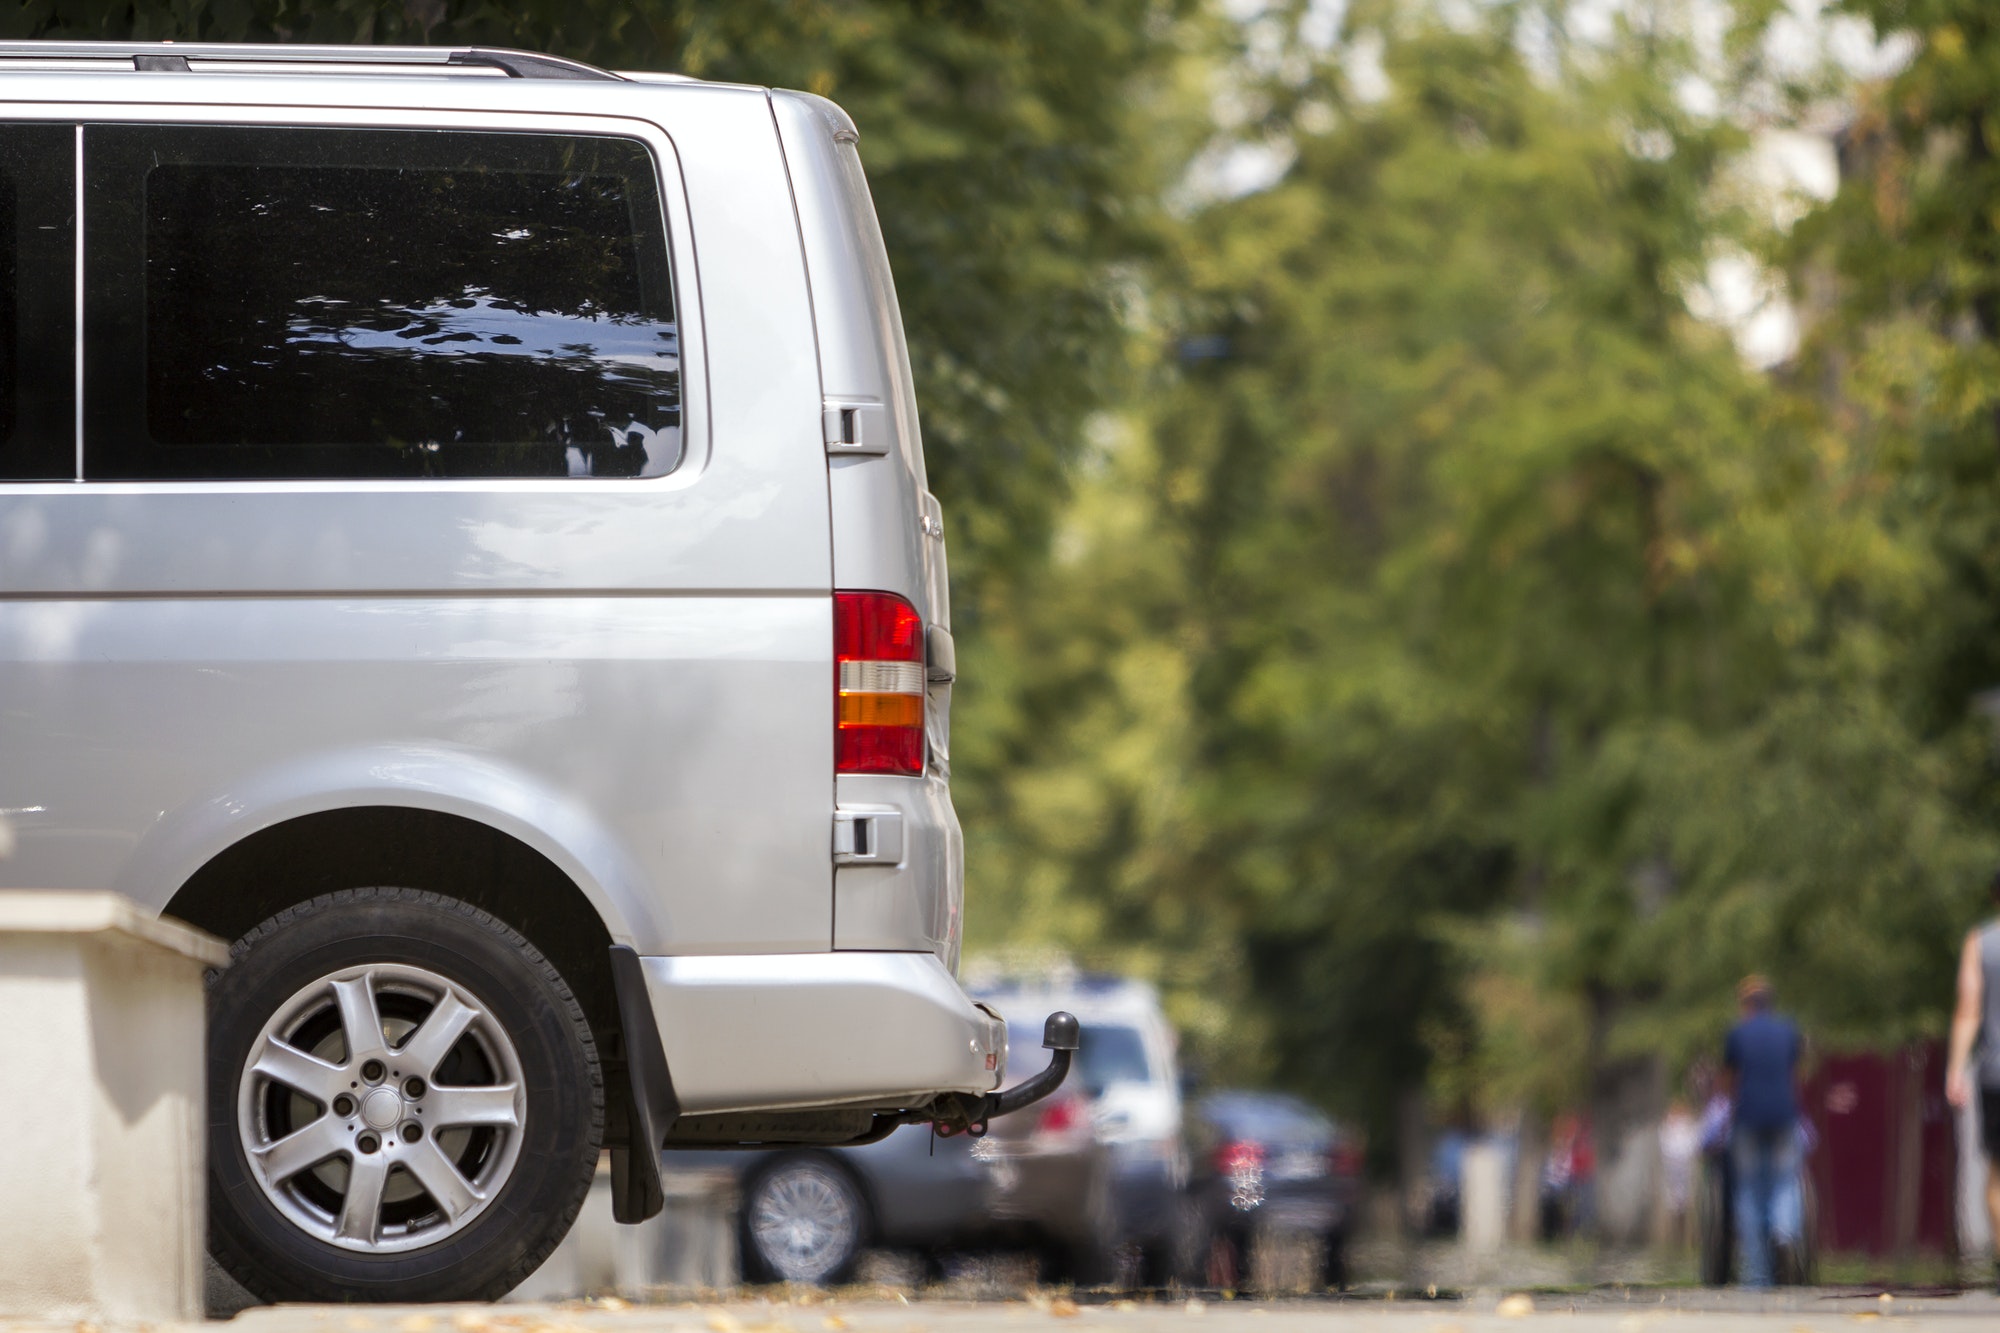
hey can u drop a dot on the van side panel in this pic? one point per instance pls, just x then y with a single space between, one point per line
634 675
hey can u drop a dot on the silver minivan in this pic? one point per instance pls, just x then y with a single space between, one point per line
464 539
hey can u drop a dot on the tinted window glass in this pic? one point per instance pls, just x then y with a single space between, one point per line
362 303
1111 1055
37 302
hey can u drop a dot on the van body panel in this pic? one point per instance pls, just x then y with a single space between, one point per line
872 1028
888 531
170 648
639 742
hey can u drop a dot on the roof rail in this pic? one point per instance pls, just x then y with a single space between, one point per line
175 57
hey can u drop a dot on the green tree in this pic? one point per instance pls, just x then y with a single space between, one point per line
1532 665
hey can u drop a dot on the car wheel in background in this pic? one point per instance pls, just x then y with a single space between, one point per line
804 1220
404 1103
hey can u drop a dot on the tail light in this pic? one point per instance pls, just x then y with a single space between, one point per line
1241 1164
1239 1158
878 650
1345 1160
1060 1116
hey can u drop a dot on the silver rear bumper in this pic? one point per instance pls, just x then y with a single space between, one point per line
769 1031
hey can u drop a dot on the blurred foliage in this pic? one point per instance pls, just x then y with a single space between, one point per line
1466 666
1392 617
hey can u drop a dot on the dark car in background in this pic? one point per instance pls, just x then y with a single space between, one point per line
1039 1179
1265 1164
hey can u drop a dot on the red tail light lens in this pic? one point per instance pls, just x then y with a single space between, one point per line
878 650
1060 1116
1239 1157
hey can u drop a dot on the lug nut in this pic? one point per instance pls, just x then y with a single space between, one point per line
372 1071
413 1088
368 1143
412 1132
343 1105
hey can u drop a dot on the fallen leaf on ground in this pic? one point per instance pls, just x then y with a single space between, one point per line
1062 1307
1517 1306
417 1323
833 1323
1194 1307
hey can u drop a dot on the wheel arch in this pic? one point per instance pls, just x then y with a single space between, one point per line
297 859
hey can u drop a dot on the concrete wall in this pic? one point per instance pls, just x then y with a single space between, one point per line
101 1041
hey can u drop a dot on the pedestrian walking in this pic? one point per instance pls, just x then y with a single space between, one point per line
1760 1061
1975 1049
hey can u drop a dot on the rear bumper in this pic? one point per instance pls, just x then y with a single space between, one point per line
761 1032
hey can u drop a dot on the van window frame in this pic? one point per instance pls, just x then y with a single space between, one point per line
684 273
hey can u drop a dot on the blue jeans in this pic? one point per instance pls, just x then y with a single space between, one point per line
1767 1197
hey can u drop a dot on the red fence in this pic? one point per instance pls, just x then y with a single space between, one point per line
1886 1161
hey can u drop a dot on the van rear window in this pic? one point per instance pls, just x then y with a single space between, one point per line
308 303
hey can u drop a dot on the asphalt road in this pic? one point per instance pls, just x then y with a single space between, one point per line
1633 1310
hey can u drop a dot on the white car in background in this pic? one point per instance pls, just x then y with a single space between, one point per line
1129 1069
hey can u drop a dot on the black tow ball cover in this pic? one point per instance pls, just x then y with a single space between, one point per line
1061 1032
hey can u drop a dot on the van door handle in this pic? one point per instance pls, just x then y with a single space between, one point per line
854 427
867 835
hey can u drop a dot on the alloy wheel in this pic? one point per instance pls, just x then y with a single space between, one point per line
381 1108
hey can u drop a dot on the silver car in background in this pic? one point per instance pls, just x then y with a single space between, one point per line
464 538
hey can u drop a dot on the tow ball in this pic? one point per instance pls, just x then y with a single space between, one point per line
960 1114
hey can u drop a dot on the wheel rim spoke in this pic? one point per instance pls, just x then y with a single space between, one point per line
381 1109
439 1176
472 1106
440 1031
292 1067
360 1020
306 1148
361 1210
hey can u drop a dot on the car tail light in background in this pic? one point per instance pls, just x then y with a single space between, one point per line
1062 1115
1241 1163
1239 1157
878 650
1345 1159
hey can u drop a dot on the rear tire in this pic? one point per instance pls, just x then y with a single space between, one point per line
804 1220
405 1103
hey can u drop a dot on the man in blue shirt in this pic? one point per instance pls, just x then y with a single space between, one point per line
1761 1056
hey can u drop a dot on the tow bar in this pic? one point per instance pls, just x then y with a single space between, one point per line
961 1113
1060 1038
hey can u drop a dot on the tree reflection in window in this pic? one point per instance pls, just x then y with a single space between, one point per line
426 321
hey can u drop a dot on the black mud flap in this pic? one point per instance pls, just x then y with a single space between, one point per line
636 1193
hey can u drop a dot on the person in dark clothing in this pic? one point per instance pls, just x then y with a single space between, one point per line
1975 1049
1761 1056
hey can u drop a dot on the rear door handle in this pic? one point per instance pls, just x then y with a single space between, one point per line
867 835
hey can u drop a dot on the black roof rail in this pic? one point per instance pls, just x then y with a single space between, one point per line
176 57
528 65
